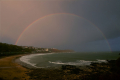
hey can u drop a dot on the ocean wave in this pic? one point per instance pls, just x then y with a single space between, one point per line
78 62
98 60
26 59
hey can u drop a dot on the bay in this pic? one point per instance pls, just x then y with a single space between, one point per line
57 59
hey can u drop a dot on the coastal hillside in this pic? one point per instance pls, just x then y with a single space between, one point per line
4 47
10 49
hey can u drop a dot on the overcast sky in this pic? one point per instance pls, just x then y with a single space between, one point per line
80 25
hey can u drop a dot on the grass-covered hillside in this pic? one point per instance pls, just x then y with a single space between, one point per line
9 49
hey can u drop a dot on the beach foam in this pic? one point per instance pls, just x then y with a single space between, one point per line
26 59
78 62
57 61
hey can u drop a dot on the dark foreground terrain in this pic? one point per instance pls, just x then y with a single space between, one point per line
96 71
9 70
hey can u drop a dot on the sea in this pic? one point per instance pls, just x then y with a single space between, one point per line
54 60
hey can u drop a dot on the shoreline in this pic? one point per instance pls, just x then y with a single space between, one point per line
27 65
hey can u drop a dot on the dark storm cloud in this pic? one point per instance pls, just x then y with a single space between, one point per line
105 14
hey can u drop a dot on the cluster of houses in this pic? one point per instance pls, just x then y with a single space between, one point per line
37 50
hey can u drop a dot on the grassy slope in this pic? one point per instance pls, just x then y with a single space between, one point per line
9 70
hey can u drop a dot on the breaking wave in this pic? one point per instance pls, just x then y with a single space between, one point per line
26 59
78 62
56 60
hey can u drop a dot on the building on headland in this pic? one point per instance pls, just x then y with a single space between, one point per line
35 47
24 47
31 47
40 50
46 49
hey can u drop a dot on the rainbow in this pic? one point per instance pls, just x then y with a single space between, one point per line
58 14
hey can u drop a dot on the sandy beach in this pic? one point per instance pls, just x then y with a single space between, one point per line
11 68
